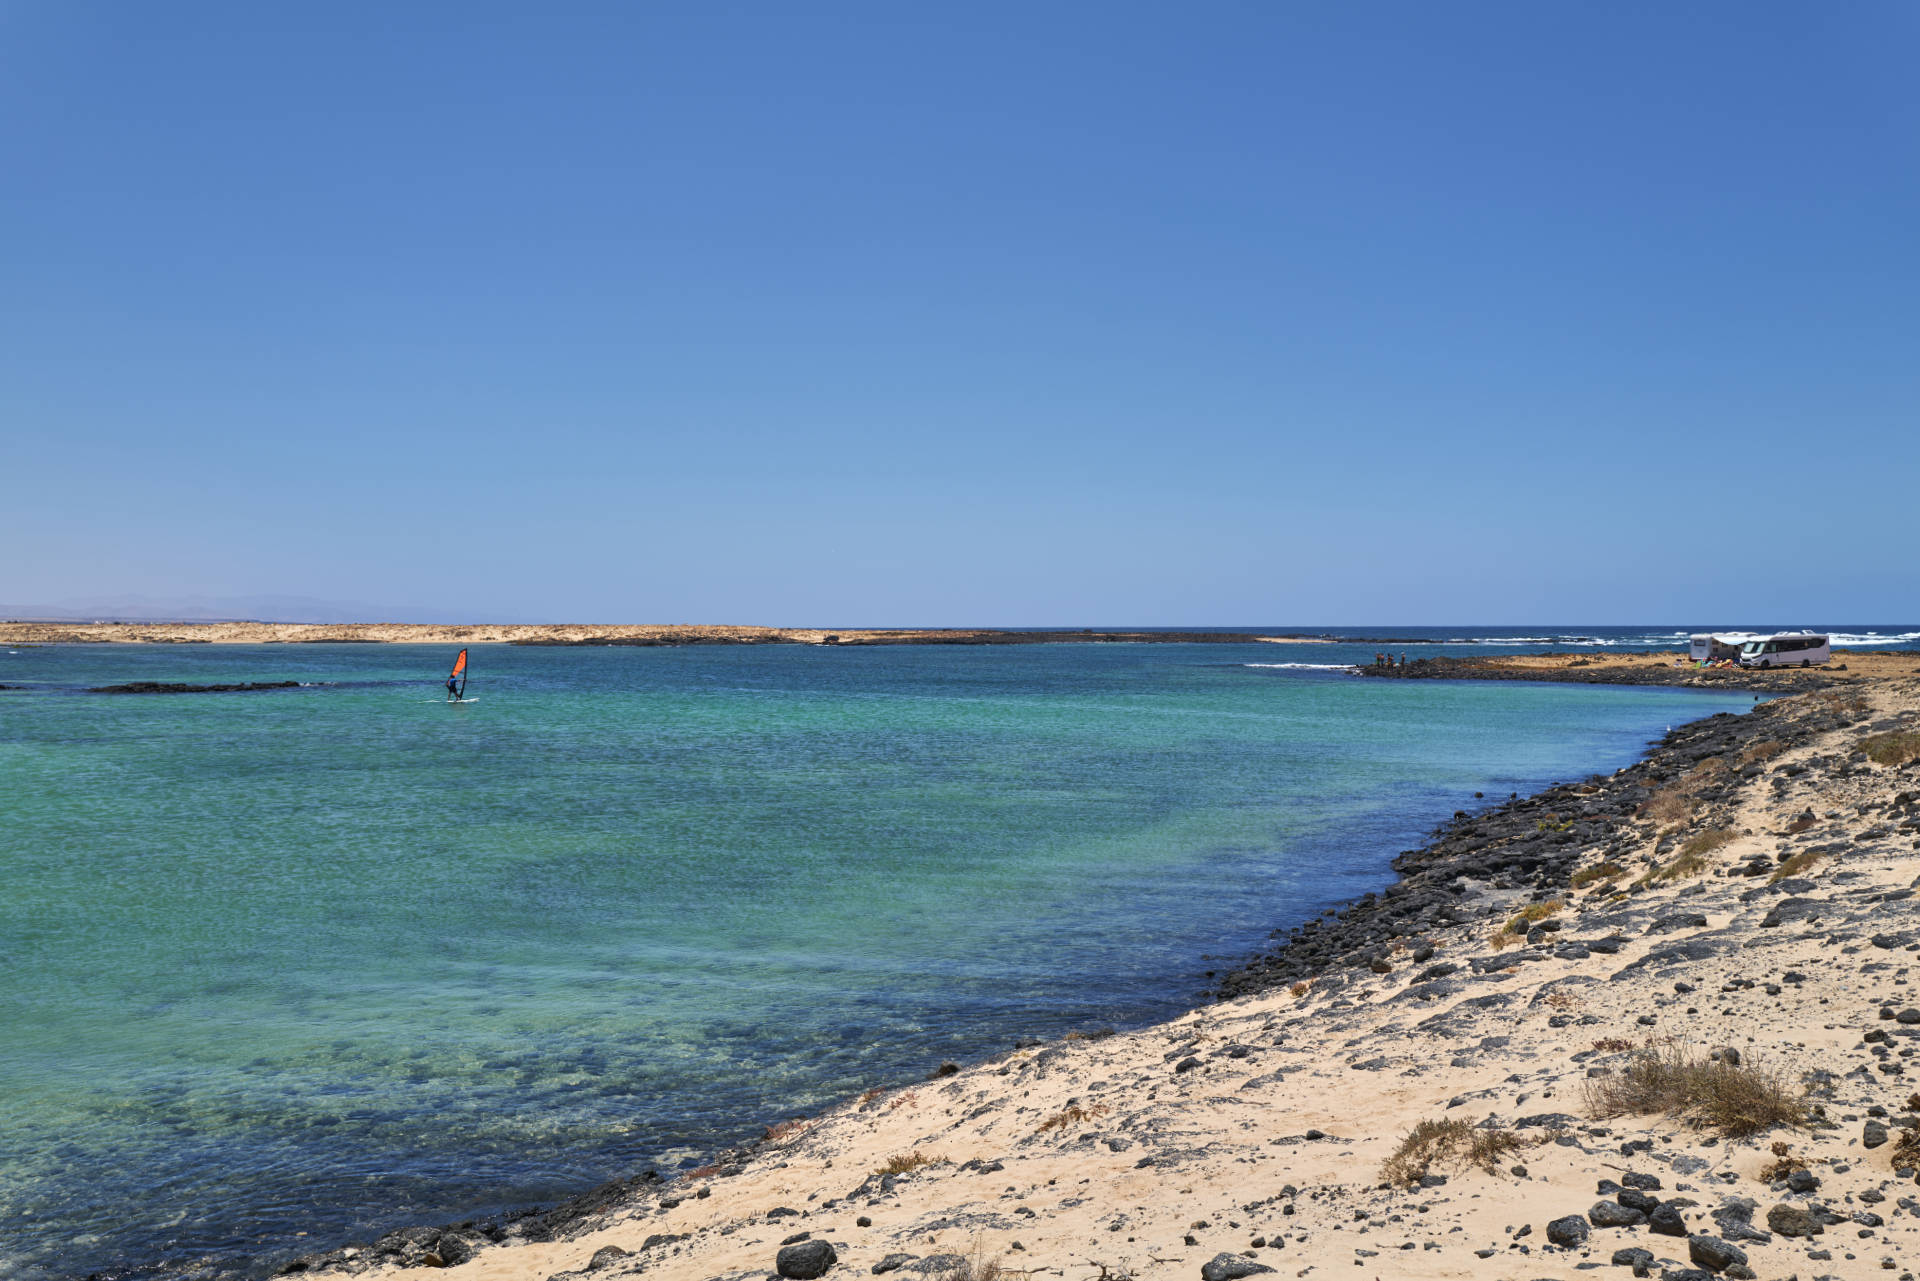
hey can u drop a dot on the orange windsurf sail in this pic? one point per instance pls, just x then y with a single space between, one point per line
459 664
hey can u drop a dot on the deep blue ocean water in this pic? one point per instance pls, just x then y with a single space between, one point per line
333 960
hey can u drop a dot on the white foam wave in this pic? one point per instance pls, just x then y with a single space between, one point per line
1311 667
1872 638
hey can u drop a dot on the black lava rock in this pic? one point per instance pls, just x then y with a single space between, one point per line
1228 1267
1713 1254
1666 1220
1611 1214
806 1260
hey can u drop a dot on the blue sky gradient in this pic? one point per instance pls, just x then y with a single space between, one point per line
993 314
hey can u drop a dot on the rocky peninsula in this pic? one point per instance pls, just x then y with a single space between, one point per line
1652 1023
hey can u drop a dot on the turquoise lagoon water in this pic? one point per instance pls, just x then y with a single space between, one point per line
279 970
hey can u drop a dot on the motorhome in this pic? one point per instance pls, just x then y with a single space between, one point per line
1786 649
1714 647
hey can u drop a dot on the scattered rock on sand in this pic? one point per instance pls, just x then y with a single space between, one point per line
805 1261
1714 1254
1793 1221
1226 1267
1568 1232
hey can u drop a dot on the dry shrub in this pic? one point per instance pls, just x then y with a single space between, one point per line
1906 1148
870 1095
1612 1045
1764 750
1516 925
907 1100
1783 1164
1691 858
1667 807
1800 824
1676 802
1731 1101
1708 841
907 1163
787 1129
1795 865
1451 1142
1598 872
977 1266
1072 1114
703 1171
1562 999
1897 748
1301 988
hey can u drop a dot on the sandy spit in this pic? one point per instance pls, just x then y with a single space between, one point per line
253 633
1250 1135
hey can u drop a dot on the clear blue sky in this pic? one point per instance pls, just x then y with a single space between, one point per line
985 313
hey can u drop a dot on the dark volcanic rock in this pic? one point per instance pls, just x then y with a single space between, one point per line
171 687
1568 1232
1611 1214
1666 1220
1793 1221
805 1260
1714 1254
1227 1267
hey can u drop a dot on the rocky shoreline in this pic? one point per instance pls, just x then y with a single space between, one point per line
1759 866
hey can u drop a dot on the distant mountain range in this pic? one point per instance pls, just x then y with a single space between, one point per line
205 609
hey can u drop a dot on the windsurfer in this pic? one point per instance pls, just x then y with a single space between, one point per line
453 690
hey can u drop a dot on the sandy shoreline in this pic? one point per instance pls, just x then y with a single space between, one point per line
636 634
1252 1133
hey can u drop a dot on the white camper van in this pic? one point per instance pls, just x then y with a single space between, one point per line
1786 649
1714 647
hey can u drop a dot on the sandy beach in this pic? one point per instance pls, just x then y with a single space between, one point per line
1734 913
636 634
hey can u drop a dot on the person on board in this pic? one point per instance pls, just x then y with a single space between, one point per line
453 690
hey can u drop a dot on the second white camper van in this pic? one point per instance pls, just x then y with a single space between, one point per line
1786 649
